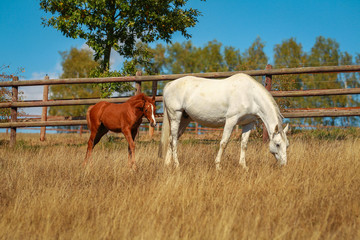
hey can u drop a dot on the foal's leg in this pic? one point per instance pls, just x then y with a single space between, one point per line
96 134
90 147
131 147
133 135
246 130
228 128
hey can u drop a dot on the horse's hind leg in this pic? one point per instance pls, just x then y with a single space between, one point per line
184 122
90 146
246 130
95 136
175 121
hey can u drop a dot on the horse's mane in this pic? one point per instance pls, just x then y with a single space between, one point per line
273 102
277 109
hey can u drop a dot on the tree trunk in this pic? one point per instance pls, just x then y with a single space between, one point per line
106 61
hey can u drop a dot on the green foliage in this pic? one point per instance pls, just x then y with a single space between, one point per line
118 24
325 52
254 57
108 89
212 57
288 54
76 64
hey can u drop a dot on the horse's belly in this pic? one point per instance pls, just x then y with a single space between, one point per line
207 118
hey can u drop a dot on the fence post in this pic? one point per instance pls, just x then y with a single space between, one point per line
44 110
138 83
81 130
154 91
268 83
13 112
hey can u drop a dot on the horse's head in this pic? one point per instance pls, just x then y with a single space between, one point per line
279 143
149 110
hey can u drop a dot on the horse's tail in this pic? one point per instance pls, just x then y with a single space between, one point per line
88 117
165 133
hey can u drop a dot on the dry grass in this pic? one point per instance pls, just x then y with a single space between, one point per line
46 194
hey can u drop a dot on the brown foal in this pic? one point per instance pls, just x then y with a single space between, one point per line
125 118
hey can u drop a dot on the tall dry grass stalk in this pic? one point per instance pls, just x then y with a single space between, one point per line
46 194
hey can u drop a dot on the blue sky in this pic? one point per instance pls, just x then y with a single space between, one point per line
26 43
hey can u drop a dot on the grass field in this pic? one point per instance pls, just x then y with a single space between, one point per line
45 193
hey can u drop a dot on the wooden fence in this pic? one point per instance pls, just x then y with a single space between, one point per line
138 79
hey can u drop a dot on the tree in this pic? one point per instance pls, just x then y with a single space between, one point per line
288 54
212 57
76 64
233 60
119 24
254 57
183 58
325 52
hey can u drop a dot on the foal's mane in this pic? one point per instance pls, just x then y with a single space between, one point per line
140 96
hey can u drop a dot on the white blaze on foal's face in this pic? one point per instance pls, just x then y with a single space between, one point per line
278 144
150 113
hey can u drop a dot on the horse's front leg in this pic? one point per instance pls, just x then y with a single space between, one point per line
131 148
246 130
228 128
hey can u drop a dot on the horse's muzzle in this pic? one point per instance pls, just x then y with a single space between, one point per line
153 124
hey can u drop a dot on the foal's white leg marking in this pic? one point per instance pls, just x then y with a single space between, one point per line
246 130
152 114
228 128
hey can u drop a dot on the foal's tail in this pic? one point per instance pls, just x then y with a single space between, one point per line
88 117
165 133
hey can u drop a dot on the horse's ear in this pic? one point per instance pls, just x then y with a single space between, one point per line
276 129
153 97
286 129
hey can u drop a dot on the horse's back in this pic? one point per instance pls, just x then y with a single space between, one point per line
94 113
211 102
193 89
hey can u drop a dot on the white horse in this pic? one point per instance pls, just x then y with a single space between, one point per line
239 99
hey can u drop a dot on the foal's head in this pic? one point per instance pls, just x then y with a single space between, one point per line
279 143
149 110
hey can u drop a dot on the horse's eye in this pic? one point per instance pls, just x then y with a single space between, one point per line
277 145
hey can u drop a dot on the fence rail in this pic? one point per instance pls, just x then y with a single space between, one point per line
272 72
138 79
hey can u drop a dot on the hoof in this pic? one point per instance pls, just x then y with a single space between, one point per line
218 167
244 167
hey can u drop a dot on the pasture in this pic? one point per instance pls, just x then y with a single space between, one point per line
45 193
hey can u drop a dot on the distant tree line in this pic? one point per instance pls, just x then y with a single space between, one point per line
214 57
